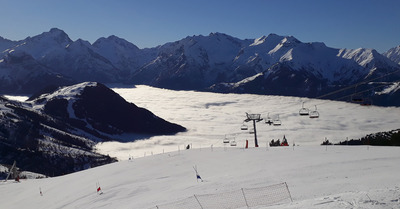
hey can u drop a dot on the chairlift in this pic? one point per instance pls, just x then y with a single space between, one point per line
357 98
233 143
277 122
314 113
251 131
226 140
304 111
244 127
268 120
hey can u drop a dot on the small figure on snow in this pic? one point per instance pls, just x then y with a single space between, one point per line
99 191
197 174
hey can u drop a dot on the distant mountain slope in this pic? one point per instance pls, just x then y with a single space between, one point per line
191 63
55 133
6 44
73 59
393 54
21 73
122 54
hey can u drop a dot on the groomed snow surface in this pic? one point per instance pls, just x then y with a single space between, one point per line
317 176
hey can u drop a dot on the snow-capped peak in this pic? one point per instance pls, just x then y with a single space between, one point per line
367 58
393 54
44 44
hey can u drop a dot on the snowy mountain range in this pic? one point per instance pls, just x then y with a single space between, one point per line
217 62
55 133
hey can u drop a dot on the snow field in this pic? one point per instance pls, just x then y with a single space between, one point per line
314 174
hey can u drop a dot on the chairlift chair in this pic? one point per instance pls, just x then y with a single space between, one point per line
314 113
277 122
243 127
357 98
268 120
226 140
233 143
304 111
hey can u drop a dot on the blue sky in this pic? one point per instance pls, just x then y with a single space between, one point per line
148 23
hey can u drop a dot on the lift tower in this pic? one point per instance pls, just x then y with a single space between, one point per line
255 118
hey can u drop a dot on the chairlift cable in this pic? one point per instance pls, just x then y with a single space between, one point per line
355 85
360 92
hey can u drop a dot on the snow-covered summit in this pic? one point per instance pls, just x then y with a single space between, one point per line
393 54
123 54
44 44
364 57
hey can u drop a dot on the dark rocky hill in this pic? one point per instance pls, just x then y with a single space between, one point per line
55 133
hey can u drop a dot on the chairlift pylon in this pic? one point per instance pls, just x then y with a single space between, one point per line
314 113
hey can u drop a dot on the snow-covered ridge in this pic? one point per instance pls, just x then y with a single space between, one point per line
68 92
393 54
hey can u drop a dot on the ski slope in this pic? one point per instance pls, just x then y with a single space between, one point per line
317 176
